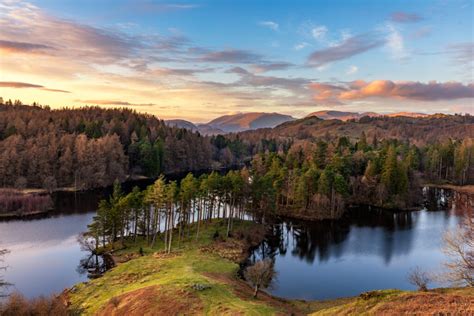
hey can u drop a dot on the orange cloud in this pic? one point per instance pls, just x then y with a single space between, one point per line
412 90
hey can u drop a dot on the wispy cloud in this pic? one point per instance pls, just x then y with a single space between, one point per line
352 70
236 56
319 32
113 102
78 43
163 71
297 86
395 42
405 17
301 46
270 24
421 32
24 85
350 47
264 67
150 7
462 54
21 47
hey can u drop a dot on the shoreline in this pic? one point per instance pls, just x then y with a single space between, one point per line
211 280
129 178
30 215
468 188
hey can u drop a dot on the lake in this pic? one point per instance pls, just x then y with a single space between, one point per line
44 253
367 249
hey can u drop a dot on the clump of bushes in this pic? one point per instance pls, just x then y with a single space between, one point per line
419 278
13 202
18 305
200 286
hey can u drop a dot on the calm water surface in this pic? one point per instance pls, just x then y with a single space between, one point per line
44 253
364 251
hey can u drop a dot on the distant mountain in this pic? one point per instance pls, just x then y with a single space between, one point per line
407 114
335 115
248 121
182 124
204 129
344 116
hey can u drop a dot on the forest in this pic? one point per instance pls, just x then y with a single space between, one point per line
300 173
322 185
91 147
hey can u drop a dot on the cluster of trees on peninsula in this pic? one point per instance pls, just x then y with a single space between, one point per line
164 206
91 147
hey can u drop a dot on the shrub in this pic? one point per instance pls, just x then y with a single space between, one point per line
260 274
419 278
18 305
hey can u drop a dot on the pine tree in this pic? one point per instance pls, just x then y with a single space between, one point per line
389 170
156 197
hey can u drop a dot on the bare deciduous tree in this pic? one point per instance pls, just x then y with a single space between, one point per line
260 274
459 247
3 283
419 278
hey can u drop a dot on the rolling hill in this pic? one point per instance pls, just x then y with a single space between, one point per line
248 121
344 116
204 129
182 124
418 130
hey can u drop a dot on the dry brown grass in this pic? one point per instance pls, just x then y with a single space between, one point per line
458 301
428 304
154 300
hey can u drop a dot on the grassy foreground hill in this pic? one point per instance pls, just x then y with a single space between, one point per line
200 278
197 278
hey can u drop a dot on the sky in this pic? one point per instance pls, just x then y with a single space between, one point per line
198 60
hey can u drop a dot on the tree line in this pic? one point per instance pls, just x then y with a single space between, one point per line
91 147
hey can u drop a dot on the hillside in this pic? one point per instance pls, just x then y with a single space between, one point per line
248 121
195 280
344 116
202 279
203 129
91 147
454 301
182 124
419 130
206 129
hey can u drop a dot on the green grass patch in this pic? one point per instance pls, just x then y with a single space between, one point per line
180 271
